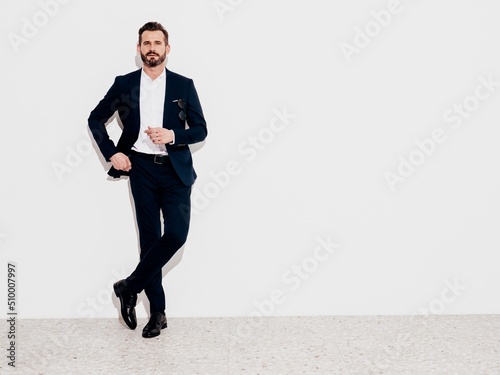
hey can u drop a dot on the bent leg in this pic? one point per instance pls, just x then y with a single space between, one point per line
175 202
147 201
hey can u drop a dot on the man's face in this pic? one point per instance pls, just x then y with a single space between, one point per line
152 48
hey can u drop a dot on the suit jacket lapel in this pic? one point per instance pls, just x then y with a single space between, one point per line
169 92
135 93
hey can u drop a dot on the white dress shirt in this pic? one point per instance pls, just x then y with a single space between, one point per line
151 105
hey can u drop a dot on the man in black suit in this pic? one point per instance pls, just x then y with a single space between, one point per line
154 105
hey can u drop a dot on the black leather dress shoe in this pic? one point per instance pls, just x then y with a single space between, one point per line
128 300
156 323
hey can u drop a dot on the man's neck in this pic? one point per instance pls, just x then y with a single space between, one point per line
154 72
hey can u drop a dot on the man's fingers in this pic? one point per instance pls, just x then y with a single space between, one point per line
126 168
128 164
157 135
151 130
122 162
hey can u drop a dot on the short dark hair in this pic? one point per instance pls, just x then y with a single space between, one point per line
153 26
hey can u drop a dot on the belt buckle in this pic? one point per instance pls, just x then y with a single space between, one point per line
159 156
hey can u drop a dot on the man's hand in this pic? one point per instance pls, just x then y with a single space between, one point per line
160 136
121 162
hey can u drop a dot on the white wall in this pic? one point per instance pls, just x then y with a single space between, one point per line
429 245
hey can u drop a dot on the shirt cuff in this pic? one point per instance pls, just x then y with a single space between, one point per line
173 138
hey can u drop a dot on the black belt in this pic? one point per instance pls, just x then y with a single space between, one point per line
155 158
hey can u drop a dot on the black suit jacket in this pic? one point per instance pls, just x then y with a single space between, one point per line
123 97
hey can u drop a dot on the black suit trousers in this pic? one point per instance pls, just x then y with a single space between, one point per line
156 189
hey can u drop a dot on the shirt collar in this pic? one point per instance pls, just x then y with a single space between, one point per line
161 77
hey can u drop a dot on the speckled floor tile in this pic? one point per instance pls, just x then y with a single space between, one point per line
400 345
104 346
344 345
473 339
282 346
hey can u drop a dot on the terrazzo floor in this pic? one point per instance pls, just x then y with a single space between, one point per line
347 345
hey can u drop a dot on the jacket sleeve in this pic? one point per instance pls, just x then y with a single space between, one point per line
197 130
98 118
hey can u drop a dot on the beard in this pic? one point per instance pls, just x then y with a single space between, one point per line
153 59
